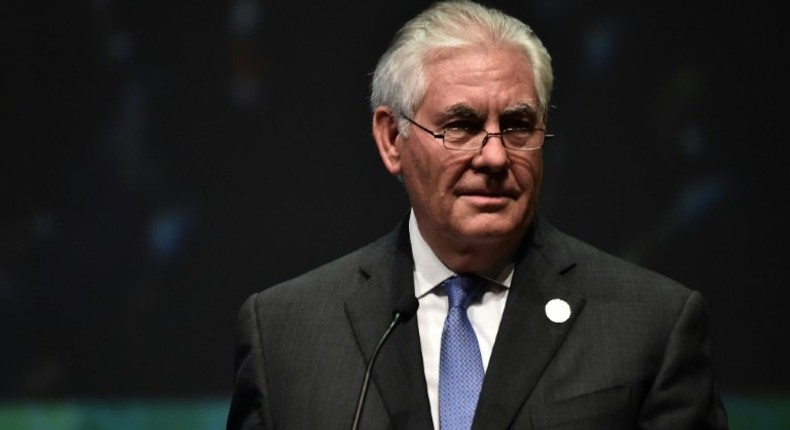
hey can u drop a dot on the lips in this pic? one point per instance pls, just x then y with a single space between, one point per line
487 200
487 193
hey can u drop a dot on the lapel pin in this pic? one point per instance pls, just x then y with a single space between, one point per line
558 310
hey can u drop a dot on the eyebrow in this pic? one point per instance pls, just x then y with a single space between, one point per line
463 111
466 111
522 109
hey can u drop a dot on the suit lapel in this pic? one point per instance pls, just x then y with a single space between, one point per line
527 340
398 375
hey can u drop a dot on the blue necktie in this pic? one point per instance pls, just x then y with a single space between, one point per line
460 366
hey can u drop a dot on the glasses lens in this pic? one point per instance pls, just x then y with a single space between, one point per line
522 138
462 138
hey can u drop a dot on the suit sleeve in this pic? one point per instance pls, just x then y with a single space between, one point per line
249 408
683 395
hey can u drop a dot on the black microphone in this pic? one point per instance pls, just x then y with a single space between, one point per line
404 310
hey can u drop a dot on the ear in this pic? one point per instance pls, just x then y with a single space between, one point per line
386 134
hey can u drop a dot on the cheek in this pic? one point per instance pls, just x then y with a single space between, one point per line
418 175
529 172
429 168
415 168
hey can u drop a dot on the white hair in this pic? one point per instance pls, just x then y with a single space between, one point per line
399 79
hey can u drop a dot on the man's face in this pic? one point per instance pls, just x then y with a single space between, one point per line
473 197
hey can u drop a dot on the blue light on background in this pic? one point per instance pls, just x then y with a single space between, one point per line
744 413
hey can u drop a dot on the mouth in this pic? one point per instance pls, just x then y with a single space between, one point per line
483 192
485 199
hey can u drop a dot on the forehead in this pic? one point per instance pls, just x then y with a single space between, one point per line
495 79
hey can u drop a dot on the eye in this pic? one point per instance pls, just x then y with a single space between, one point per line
465 125
518 125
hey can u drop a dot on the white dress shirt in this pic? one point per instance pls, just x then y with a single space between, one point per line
485 314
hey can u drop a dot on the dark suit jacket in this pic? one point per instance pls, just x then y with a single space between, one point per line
635 352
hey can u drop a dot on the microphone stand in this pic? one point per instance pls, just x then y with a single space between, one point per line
366 381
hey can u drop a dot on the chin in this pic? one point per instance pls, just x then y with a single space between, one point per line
492 228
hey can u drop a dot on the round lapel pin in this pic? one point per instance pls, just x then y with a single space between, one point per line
558 310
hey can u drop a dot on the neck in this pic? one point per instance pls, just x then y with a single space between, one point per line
464 254
475 257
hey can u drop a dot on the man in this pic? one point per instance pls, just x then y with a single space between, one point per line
542 330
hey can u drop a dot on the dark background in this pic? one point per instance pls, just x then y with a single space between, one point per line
161 161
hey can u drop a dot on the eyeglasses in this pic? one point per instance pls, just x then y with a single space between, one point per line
471 139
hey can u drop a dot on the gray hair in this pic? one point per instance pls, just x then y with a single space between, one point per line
399 78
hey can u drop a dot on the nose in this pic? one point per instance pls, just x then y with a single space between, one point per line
493 155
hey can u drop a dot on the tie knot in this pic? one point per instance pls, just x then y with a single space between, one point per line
460 290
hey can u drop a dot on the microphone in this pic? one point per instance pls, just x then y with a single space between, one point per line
404 310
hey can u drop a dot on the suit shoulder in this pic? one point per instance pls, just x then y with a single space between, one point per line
333 279
609 272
